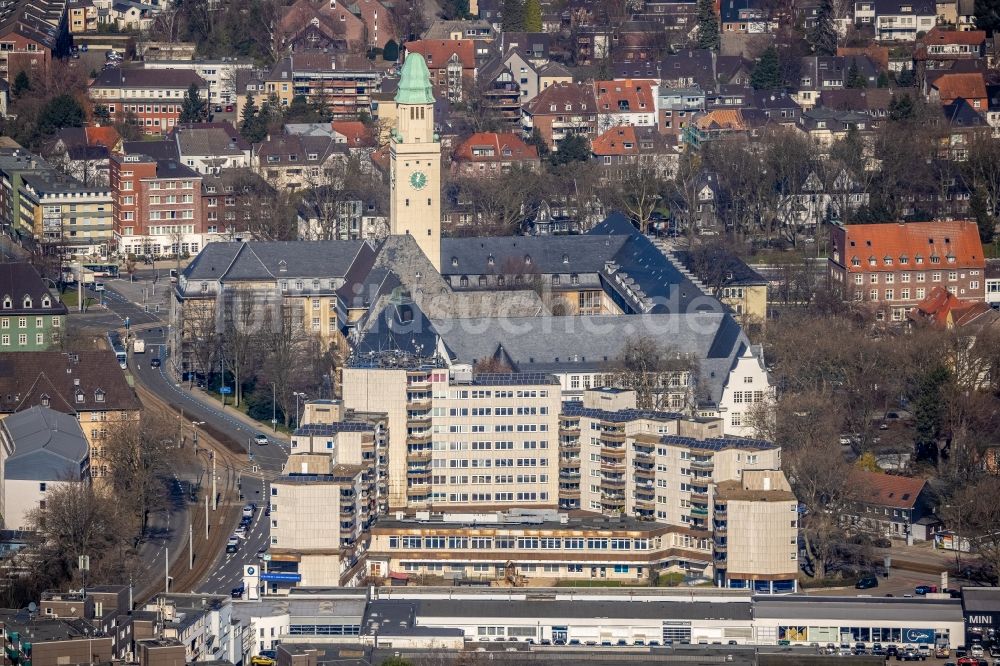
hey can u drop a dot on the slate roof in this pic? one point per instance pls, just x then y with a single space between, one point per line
174 169
736 271
158 150
213 141
271 260
27 377
118 77
48 445
19 280
544 254
579 97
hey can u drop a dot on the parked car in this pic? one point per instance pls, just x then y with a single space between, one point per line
924 589
248 510
866 582
261 553
238 592
229 108
233 544
977 651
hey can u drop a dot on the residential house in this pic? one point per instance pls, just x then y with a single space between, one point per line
523 70
678 18
499 93
476 29
559 111
894 266
211 147
341 82
83 152
899 20
81 17
533 45
31 317
626 102
158 207
677 108
452 64
715 124
295 162
623 151
44 450
963 126
971 87
487 154
939 48
88 385
230 202
551 73
221 75
125 15
817 202
893 506
827 126
64 213
820 74
378 20
14 164
150 99
942 309
330 213
28 34
308 26
684 69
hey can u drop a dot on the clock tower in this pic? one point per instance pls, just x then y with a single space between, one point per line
415 162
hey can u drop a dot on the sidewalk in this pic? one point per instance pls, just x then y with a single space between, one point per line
233 413
921 557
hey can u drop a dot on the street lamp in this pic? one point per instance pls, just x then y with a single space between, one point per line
274 413
297 396
195 425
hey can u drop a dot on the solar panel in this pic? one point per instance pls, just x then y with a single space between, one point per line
332 428
510 379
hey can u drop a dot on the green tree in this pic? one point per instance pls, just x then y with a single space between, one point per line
22 83
906 79
574 148
883 80
532 16
980 210
708 25
101 113
928 403
987 15
512 16
822 35
253 127
194 109
60 111
455 9
538 142
855 79
767 72
901 107
390 52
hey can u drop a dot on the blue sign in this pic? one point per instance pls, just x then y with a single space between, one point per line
918 635
281 577
226 390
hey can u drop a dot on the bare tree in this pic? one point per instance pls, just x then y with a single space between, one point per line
653 372
241 334
636 190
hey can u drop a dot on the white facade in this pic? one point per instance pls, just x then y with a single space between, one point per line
219 74
747 390
21 497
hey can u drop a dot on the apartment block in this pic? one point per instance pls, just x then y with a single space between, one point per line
343 83
219 74
64 213
459 438
157 206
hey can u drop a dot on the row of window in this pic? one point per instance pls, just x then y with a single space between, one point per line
22 339
26 303
22 322
890 278
517 543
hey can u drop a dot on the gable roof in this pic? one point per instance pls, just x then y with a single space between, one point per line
18 280
104 135
965 85
26 378
48 445
945 310
912 240
499 143
721 119
437 52
898 492
580 98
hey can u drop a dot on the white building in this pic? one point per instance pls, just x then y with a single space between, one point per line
220 75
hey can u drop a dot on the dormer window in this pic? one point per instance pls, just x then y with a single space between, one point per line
904 259
204 287
527 260
27 302
99 395
871 261
46 302
887 260
855 261
454 261
7 303
79 395
298 285
565 258
950 257
45 400
491 260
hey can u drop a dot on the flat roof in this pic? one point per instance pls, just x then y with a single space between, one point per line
805 609
548 610
981 599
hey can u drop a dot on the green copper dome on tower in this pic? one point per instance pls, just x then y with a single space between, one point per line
415 82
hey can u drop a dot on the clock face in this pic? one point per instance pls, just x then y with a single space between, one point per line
418 180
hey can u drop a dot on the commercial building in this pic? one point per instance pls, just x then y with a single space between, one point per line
43 450
31 317
894 266
148 98
157 206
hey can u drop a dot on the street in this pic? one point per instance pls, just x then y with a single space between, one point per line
227 570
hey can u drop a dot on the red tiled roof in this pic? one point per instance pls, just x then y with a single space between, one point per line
499 143
959 238
945 310
616 141
939 36
353 130
897 492
636 94
437 52
105 135
717 119
967 86
580 99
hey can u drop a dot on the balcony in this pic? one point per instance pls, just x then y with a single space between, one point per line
720 526
616 454
418 438
612 466
419 404
617 484
569 476
569 432
702 463
644 456
569 463
418 473
644 503
613 502
419 456
613 436
573 445
416 492
643 473
699 512
419 385
569 493
699 496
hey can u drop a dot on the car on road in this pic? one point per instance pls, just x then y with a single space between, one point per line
262 440
921 590
229 108
233 544
240 533
248 510
98 286
238 592
154 362
261 553
246 521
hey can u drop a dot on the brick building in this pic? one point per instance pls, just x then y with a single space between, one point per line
560 110
152 99
492 153
895 266
157 206
452 63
